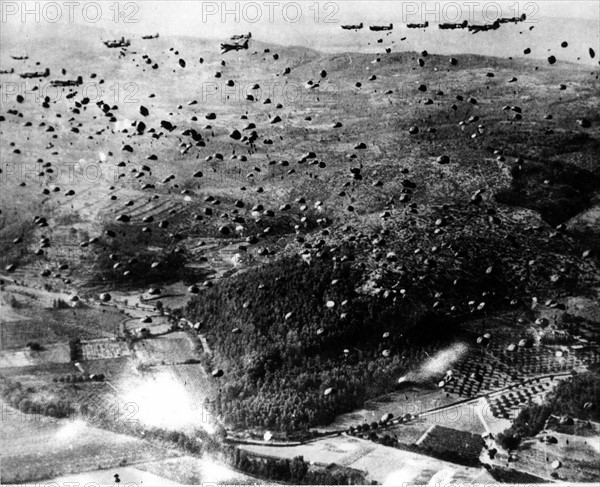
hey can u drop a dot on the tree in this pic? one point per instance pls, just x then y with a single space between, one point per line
34 346
75 349
509 441
298 469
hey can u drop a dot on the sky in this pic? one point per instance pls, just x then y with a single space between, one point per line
316 23
212 18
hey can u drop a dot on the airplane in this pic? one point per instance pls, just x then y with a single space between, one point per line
484 28
378 28
241 37
68 82
516 20
233 47
353 27
418 26
155 36
7 71
36 74
20 58
117 43
454 26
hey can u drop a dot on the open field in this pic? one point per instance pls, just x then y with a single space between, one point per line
47 326
173 348
132 475
192 470
52 354
578 457
385 465
36 447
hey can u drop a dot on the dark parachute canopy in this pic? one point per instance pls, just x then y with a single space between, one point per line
167 125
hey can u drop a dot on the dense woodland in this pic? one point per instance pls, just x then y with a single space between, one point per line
281 348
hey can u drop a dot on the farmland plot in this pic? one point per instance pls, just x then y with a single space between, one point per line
192 470
36 447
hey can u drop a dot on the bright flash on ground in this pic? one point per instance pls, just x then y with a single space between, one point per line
437 365
164 402
70 430
405 476
214 473
442 360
